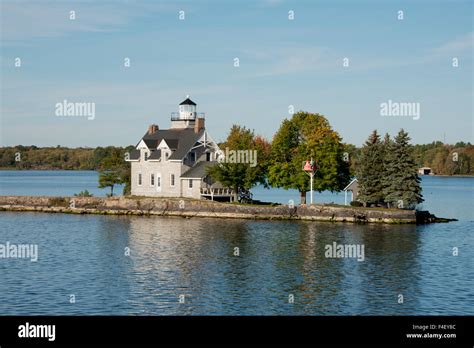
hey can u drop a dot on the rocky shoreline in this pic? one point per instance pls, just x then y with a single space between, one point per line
203 208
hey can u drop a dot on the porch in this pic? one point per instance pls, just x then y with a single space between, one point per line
217 193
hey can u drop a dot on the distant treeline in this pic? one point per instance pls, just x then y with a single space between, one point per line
444 159
457 159
48 158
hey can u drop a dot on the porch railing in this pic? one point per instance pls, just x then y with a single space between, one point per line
216 192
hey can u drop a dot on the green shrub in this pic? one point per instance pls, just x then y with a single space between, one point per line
356 204
84 193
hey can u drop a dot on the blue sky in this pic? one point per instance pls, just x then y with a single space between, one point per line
282 62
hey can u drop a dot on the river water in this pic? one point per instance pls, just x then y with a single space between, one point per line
121 265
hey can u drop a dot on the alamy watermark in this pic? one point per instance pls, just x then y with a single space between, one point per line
400 109
37 331
239 156
335 250
79 109
19 251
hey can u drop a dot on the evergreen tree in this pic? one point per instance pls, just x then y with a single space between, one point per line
401 181
386 145
370 171
114 170
109 179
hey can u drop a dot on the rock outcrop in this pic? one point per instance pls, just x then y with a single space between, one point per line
203 208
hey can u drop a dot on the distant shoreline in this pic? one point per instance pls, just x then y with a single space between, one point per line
92 170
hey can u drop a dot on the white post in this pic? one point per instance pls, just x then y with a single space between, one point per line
311 191
345 197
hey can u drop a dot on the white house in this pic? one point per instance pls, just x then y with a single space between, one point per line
172 162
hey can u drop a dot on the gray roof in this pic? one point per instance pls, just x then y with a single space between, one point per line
135 154
172 143
150 143
180 140
155 155
199 170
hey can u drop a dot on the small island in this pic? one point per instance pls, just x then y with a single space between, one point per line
182 171
189 208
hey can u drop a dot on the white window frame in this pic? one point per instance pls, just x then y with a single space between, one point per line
190 184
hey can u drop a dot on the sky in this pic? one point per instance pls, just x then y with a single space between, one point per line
291 56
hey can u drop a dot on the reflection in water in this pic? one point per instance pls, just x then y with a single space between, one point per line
169 257
195 257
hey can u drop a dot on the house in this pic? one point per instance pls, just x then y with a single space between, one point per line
173 162
425 171
353 188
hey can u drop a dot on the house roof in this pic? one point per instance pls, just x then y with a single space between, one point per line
150 143
134 154
180 140
187 102
199 170
353 184
155 155
172 143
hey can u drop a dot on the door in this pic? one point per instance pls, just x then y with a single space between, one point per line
159 183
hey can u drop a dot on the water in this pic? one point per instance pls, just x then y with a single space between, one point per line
85 256
51 183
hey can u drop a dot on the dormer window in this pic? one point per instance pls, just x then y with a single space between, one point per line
145 156
192 156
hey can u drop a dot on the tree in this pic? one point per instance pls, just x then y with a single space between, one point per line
242 176
109 179
114 170
401 181
299 139
370 170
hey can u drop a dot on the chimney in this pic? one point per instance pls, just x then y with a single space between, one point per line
152 128
199 124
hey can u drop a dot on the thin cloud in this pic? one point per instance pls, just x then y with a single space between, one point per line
26 21
458 45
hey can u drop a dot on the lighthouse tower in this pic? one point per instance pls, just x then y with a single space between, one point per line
187 115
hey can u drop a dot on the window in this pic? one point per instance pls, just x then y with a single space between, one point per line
208 156
139 179
192 156
166 155
152 180
172 180
190 183
146 156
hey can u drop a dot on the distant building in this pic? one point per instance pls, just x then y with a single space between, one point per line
172 162
425 171
353 188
